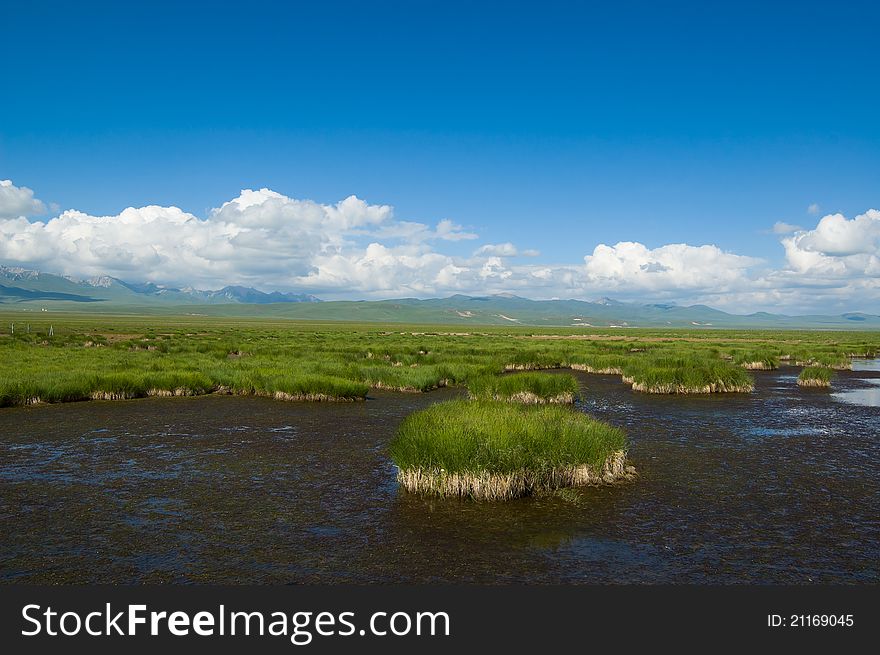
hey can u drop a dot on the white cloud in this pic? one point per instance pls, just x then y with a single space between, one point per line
679 266
837 236
837 246
18 201
261 238
412 232
353 249
780 227
813 209
449 231
506 249
494 268
381 271
497 250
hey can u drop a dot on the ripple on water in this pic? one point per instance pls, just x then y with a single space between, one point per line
801 431
777 486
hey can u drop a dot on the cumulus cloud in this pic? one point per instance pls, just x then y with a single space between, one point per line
675 266
353 249
260 237
18 201
382 271
837 246
837 236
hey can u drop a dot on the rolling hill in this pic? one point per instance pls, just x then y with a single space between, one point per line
21 289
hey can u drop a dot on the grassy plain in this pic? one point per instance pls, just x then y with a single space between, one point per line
115 356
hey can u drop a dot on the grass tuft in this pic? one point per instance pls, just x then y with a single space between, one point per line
686 375
815 376
493 450
527 388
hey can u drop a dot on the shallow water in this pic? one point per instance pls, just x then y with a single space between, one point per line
866 364
868 396
779 486
866 391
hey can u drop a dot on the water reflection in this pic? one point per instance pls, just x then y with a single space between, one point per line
869 396
868 391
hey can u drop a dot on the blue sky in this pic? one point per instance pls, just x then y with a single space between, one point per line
556 127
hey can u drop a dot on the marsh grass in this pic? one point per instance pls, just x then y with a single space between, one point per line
686 375
760 360
601 364
836 361
119 357
140 384
287 386
495 450
529 388
815 376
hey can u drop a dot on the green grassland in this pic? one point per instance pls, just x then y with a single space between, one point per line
106 356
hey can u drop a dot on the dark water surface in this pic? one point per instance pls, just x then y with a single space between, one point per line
782 485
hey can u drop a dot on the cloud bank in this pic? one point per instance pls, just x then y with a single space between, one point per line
353 249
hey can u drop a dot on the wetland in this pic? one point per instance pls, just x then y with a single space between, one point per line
780 485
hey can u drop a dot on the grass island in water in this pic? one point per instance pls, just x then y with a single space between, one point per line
491 450
815 376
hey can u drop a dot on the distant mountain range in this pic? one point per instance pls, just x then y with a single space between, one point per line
19 284
24 289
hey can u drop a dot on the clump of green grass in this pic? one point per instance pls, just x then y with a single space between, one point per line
178 383
684 375
600 364
525 388
287 386
529 359
401 378
32 391
757 361
836 361
815 376
316 387
493 450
